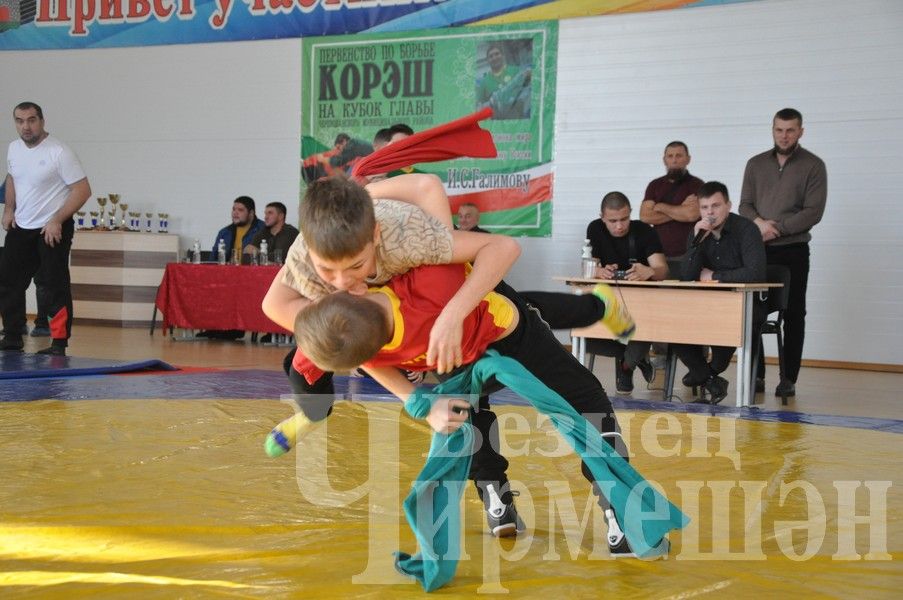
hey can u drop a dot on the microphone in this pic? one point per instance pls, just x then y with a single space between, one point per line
702 233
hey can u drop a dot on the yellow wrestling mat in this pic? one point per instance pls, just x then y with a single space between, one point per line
176 499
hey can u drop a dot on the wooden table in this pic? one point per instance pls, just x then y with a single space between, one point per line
685 312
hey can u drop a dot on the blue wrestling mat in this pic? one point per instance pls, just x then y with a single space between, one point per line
20 365
258 384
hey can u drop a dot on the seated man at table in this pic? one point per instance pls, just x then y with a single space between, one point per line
245 225
278 234
726 248
632 249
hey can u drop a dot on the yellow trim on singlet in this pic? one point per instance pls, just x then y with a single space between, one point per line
398 325
501 309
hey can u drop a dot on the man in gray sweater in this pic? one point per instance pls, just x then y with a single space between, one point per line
784 194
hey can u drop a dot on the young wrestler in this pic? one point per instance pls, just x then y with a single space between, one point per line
388 328
348 240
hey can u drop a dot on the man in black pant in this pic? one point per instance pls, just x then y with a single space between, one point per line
784 193
727 248
45 186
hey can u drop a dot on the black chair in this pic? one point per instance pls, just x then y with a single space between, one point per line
776 302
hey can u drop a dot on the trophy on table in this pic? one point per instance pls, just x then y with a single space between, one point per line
102 203
164 222
124 208
134 221
114 200
80 220
149 216
93 214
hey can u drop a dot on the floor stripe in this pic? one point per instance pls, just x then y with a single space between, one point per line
261 384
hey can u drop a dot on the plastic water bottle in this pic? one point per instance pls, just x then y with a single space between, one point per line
221 252
588 269
264 253
196 252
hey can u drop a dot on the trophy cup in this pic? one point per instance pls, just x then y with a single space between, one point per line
149 216
102 203
164 222
134 221
93 214
80 220
124 208
114 200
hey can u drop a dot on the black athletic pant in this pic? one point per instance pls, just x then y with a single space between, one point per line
796 258
693 356
24 254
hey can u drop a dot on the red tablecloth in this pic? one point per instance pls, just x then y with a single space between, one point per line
211 296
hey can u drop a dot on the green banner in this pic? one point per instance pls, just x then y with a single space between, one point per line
353 86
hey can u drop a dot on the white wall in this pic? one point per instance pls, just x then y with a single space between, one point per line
185 129
713 77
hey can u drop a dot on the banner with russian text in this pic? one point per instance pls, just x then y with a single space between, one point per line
352 87
66 24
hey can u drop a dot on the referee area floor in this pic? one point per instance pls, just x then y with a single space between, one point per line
149 486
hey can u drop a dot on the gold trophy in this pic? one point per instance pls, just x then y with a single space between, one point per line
114 200
124 208
102 203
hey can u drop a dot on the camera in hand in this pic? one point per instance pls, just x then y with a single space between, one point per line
619 274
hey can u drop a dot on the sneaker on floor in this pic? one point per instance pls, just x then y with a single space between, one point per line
619 547
785 388
647 369
716 387
616 318
53 351
623 379
40 331
502 519
11 343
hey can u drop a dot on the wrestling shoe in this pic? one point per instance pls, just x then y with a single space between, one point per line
502 519
616 318
285 435
619 547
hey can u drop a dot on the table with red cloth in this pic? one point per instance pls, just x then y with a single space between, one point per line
213 296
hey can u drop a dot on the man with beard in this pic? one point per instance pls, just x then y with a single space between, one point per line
670 203
45 186
784 194
245 225
278 234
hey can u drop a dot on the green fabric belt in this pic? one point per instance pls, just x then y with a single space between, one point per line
432 507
